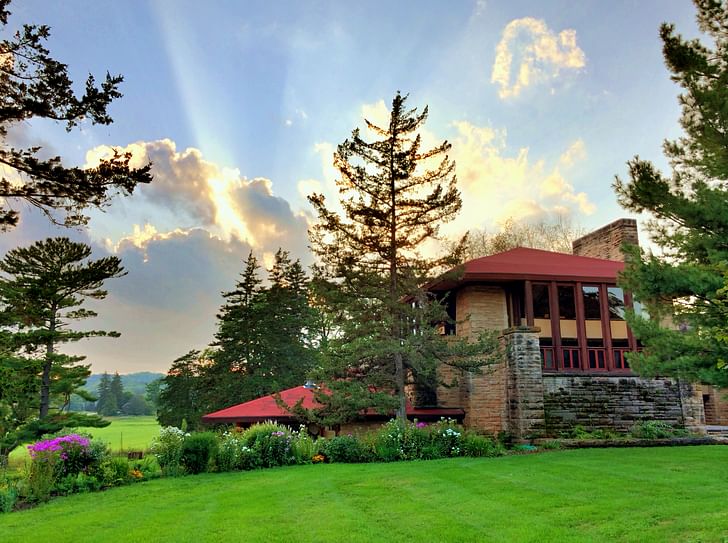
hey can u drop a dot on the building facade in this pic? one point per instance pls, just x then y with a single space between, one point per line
561 317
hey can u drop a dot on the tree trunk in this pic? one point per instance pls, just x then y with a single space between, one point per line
45 386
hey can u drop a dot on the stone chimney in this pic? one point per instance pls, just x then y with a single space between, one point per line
607 241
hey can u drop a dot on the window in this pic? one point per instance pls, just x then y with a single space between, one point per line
615 295
541 302
591 303
567 304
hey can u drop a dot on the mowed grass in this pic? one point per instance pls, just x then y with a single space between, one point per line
124 433
654 494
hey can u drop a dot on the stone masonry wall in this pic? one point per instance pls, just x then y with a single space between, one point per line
607 241
483 397
615 402
525 381
716 405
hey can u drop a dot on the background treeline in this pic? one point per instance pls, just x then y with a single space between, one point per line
131 394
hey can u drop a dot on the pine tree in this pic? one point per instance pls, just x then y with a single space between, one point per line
42 292
395 196
685 288
36 86
182 396
116 388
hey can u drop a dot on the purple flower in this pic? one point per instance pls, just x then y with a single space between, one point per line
421 424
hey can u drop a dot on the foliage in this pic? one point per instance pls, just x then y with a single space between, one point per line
478 446
147 468
167 448
42 291
275 448
684 287
198 450
345 449
77 483
580 432
550 236
36 86
8 496
656 429
394 196
41 476
182 397
304 446
114 471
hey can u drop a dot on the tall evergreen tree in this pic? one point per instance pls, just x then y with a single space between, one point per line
686 287
106 403
395 196
42 291
116 388
182 397
34 85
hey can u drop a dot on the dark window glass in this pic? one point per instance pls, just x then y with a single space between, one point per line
591 303
596 359
616 303
571 358
567 304
541 302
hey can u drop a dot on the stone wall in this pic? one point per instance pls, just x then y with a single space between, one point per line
607 241
525 381
716 405
616 402
482 396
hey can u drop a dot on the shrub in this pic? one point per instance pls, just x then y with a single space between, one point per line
446 435
479 446
41 475
197 451
304 447
234 454
71 484
115 471
653 429
261 431
8 497
552 445
147 468
167 449
274 449
346 449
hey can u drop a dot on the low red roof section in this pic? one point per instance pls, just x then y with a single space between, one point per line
533 264
266 408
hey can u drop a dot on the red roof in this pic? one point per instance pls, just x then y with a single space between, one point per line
533 264
266 408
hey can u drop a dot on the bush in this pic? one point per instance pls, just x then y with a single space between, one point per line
115 471
145 468
261 431
167 449
274 449
8 497
304 447
480 446
41 476
447 435
234 454
72 484
197 451
654 429
345 449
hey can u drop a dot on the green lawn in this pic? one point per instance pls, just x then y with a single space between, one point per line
656 494
123 433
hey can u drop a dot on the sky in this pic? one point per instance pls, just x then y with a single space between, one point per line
240 107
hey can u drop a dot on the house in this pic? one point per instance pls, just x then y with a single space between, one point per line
561 319
562 322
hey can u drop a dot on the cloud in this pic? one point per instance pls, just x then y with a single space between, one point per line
540 55
496 186
198 193
575 153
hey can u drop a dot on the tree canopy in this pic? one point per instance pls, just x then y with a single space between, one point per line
395 195
685 287
34 85
43 288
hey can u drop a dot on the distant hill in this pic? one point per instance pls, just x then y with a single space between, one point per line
133 382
